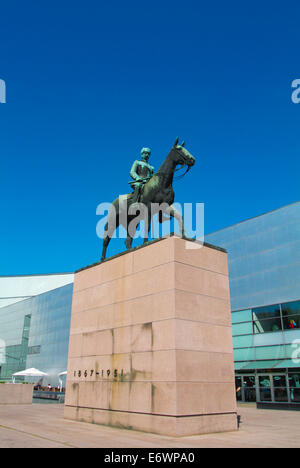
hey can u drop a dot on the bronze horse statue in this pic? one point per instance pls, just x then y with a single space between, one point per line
157 191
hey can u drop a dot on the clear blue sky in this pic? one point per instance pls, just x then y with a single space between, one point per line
90 83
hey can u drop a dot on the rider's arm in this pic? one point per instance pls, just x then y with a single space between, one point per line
133 172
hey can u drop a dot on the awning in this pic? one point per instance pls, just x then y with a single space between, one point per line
272 364
288 363
30 373
238 365
256 365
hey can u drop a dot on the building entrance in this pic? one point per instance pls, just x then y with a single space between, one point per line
269 387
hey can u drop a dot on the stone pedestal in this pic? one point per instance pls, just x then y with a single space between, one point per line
16 394
151 341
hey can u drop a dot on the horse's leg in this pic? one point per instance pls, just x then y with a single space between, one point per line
130 236
128 241
106 241
173 213
110 228
147 227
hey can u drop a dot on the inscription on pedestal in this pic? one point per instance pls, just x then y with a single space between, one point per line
105 374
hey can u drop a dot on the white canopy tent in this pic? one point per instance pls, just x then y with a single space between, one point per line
62 374
29 373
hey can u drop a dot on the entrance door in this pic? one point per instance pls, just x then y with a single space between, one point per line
280 388
273 388
245 387
249 388
264 387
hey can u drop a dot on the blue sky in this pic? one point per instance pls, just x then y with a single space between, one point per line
90 83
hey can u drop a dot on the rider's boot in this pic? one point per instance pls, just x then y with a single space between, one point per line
135 200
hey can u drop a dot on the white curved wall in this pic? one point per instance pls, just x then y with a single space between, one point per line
17 288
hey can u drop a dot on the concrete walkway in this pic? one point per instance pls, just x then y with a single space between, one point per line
43 426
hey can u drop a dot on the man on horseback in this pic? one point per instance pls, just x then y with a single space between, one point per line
141 172
158 191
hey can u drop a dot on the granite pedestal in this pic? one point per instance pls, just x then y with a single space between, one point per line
16 394
151 341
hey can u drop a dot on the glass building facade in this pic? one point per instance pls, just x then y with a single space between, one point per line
264 274
35 333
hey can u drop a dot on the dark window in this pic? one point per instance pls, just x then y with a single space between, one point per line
267 319
34 350
291 315
270 325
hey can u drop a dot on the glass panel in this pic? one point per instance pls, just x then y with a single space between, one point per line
269 339
280 390
261 313
291 315
244 354
242 329
249 381
265 326
241 316
294 383
243 341
295 395
291 323
265 390
238 386
294 380
290 308
270 352
280 394
261 365
264 381
265 394
279 381
249 388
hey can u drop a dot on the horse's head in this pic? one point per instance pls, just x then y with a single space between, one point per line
182 155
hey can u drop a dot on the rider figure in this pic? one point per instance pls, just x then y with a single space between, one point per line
141 172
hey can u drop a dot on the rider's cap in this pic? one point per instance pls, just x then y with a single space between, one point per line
146 150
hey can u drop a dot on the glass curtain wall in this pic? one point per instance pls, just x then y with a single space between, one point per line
35 333
267 353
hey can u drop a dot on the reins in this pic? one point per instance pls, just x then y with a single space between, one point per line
178 169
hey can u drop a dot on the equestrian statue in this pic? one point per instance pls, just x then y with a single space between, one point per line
151 190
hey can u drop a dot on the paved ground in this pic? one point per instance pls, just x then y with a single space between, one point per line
43 426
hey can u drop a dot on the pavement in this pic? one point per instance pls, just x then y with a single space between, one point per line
43 426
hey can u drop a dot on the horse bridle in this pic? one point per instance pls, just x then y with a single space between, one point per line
182 165
178 169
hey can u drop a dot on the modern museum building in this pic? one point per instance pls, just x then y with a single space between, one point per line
264 273
35 314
